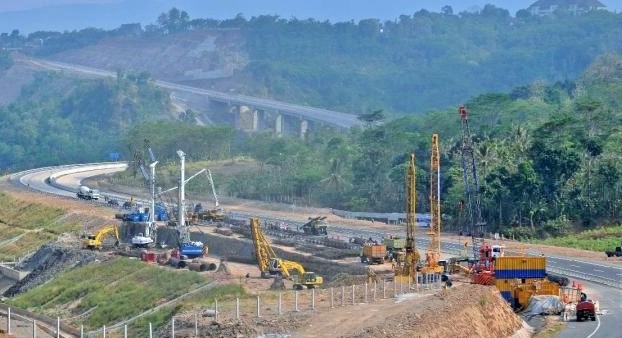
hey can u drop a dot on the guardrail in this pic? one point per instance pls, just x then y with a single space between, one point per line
585 276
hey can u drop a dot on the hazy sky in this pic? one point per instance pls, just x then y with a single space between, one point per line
59 15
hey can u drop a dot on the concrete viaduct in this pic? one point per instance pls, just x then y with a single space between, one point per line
255 114
249 113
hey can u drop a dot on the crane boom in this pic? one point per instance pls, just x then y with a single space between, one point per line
211 182
471 185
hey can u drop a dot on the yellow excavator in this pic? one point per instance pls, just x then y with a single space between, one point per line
96 241
270 265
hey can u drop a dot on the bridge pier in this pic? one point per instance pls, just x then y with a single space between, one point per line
278 125
304 128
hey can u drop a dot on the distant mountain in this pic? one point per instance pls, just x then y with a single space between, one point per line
29 16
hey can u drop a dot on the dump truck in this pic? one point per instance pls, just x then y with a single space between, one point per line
373 253
394 247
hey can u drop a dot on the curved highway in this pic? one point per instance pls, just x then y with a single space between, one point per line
334 118
602 279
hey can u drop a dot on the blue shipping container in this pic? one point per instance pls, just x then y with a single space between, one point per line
530 273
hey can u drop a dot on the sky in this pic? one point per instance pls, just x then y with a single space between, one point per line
66 15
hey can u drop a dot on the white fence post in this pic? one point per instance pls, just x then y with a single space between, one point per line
296 300
34 328
237 308
332 304
258 314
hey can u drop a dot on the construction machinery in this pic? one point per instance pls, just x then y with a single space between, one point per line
406 267
433 253
373 253
187 247
316 226
270 265
475 223
87 193
96 241
301 278
217 213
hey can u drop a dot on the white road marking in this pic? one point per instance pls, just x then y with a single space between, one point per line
598 270
596 329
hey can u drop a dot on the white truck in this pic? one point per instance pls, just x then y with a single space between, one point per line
87 193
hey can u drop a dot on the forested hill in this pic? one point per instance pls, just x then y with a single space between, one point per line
414 64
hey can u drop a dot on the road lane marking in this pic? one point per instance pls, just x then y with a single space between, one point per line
596 329
597 270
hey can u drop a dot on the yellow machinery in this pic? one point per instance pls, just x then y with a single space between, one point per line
300 278
269 264
433 254
96 241
406 267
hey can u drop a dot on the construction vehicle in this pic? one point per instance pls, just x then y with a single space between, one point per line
475 223
87 193
586 309
615 253
301 278
406 267
270 265
433 253
187 247
373 253
395 247
96 241
316 226
217 214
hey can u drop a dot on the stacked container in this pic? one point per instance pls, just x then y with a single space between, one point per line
519 277
520 267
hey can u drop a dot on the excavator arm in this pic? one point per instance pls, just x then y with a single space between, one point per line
96 241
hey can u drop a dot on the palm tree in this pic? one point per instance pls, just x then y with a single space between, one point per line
334 178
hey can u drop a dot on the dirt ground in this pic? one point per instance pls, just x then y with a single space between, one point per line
465 310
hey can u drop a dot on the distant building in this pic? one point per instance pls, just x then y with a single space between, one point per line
547 7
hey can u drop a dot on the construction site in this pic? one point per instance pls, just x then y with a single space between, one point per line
310 273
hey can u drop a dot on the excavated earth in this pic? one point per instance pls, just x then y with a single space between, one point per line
464 310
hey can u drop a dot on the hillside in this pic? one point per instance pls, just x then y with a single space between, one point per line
444 58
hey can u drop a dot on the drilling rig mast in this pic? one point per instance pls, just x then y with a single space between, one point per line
475 222
408 267
433 254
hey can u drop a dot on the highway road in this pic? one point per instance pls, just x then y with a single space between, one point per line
338 119
604 280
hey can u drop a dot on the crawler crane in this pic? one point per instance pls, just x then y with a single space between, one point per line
433 254
482 251
406 267
269 264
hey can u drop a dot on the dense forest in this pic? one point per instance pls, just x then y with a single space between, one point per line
547 148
